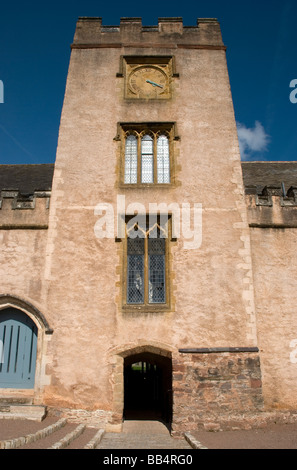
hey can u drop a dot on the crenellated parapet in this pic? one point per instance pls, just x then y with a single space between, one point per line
271 193
90 32
25 192
24 201
282 197
272 207
24 211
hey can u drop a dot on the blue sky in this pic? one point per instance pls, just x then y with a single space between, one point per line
35 39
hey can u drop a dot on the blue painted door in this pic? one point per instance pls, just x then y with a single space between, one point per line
18 341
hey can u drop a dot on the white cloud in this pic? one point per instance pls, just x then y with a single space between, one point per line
251 140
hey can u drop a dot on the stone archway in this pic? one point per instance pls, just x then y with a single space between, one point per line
20 309
18 336
159 359
7 300
148 387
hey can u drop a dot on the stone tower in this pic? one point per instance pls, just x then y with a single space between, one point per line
131 267
148 129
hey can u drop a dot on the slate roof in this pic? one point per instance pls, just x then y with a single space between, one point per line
256 175
26 178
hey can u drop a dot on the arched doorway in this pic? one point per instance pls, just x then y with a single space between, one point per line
148 387
18 336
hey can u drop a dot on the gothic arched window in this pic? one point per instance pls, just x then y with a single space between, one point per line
147 157
146 264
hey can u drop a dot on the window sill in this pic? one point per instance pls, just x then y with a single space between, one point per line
153 308
146 185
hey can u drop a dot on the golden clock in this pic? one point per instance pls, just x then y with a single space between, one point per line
149 82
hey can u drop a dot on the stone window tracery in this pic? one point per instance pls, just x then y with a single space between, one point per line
146 265
147 155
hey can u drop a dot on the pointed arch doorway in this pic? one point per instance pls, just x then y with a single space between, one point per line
148 387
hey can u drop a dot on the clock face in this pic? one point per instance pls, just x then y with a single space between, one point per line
148 82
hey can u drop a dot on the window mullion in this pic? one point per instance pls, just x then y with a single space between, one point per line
146 271
155 159
139 160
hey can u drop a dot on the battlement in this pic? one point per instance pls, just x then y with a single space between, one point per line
23 201
90 32
24 211
25 192
281 195
273 207
271 193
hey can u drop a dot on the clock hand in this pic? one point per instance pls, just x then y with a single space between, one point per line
154 84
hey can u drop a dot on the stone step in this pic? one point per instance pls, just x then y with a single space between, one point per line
141 441
22 411
143 434
58 435
69 438
54 439
29 439
15 401
89 439
62 434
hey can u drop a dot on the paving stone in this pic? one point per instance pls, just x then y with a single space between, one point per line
135 435
142 435
141 441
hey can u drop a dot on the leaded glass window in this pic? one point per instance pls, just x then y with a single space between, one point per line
135 270
131 159
156 268
163 163
147 158
146 265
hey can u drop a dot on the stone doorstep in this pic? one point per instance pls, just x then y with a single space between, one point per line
14 411
15 401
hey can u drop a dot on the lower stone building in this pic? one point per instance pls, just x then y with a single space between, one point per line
149 272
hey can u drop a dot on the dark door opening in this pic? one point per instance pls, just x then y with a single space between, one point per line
148 387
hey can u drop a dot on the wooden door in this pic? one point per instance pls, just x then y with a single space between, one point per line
18 336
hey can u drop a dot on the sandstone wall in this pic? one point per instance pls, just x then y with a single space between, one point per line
273 240
23 238
23 233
